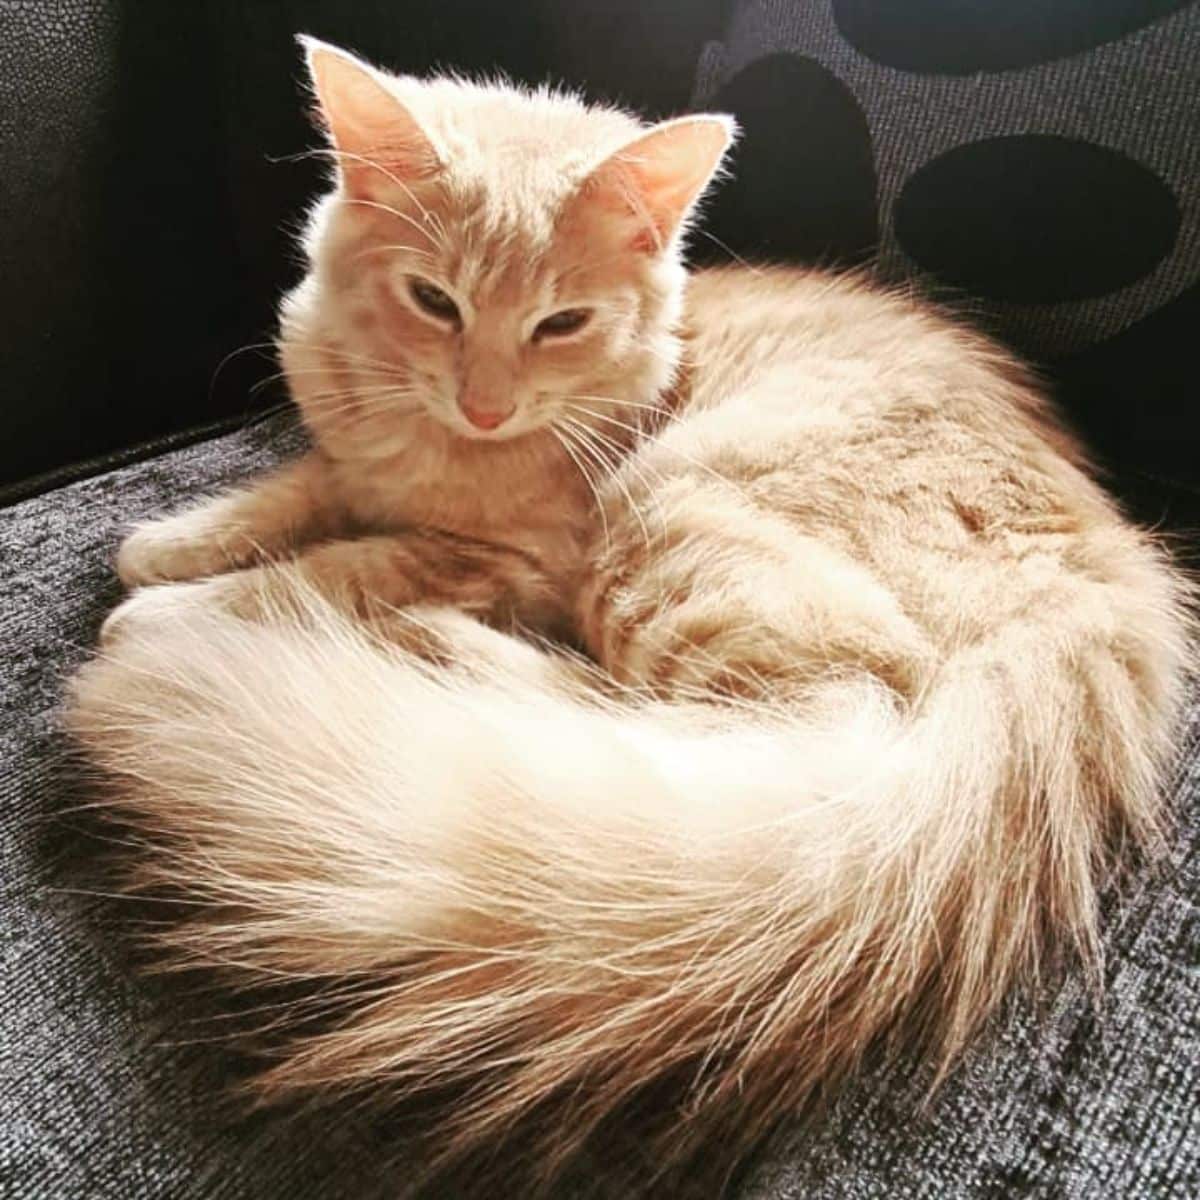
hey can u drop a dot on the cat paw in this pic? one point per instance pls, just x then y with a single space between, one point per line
168 551
157 606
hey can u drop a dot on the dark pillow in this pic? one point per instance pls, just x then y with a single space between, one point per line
1035 162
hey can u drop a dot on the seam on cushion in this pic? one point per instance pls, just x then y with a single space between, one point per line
48 481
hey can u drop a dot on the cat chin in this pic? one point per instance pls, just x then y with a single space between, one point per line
495 436
510 431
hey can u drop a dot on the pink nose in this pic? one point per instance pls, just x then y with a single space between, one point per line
484 418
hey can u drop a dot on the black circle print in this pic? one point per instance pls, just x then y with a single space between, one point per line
950 37
803 186
1036 218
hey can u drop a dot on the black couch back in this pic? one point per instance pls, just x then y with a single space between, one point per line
1040 171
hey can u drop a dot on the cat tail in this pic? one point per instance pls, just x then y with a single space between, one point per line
555 907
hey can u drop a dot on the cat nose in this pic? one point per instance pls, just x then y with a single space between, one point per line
484 416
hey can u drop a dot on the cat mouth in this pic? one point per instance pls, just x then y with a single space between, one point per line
505 430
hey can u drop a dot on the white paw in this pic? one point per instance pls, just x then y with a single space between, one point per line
158 606
174 549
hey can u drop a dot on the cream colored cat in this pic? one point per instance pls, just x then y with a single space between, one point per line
883 681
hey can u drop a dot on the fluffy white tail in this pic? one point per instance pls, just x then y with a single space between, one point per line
548 905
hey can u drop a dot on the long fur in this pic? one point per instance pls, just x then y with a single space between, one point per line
548 900
881 685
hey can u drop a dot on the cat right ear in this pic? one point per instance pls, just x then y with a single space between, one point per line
372 132
656 180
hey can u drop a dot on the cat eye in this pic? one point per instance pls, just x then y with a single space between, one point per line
433 300
560 324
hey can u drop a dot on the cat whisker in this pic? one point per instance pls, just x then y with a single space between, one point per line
590 263
426 214
338 154
737 258
600 449
658 443
263 416
285 376
297 372
645 480
600 454
631 461
249 348
641 405
392 402
565 440
324 402
386 397
272 410
347 356
362 402
395 248
640 434
401 216
623 460
438 238
673 360
281 375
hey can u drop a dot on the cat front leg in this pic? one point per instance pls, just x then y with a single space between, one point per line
265 520
372 578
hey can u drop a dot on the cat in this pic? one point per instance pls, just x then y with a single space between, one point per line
648 680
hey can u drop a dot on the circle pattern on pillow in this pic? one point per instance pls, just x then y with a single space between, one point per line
1035 162
1036 218
949 37
806 174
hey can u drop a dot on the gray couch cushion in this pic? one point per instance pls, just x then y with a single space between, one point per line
101 1096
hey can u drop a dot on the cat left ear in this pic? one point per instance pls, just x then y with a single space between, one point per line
372 130
660 175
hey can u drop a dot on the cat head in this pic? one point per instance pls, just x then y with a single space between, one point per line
493 258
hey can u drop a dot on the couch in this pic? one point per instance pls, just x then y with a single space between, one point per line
1032 164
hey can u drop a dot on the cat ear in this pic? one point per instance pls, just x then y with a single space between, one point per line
659 176
371 130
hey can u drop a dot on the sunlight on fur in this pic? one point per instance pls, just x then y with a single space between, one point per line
648 679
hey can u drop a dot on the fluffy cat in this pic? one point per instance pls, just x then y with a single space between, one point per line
878 688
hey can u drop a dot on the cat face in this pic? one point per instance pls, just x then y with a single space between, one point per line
501 322
497 260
